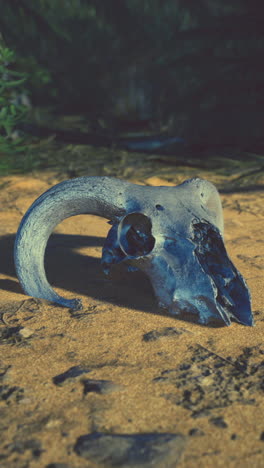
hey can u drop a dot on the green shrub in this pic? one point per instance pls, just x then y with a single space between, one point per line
11 110
193 67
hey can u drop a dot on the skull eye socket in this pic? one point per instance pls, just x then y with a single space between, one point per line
134 233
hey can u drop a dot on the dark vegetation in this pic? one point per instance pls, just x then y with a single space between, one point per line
139 67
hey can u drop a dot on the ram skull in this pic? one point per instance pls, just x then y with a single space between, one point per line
173 234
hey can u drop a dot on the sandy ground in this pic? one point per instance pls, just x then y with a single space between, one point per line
120 383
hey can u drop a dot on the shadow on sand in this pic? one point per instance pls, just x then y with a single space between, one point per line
82 274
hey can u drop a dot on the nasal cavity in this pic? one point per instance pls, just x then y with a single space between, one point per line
134 233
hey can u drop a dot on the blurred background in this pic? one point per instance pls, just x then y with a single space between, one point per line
182 81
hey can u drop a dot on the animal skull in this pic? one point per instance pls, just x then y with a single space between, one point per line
173 234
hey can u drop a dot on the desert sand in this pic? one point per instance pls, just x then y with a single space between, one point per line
120 383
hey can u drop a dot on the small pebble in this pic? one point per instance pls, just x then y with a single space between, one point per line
195 431
219 422
26 332
99 386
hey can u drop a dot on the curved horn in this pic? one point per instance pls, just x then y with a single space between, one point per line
102 196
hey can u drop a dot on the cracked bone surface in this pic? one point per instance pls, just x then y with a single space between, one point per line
173 234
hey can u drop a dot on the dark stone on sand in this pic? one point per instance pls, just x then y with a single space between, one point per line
195 432
131 450
262 436
219 422
69 375
162 332
99 386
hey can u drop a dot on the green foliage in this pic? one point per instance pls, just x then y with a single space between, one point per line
12 162
11 112
195 67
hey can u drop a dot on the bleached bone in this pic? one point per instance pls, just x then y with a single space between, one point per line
173 234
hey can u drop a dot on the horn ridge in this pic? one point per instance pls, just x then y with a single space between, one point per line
102 196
